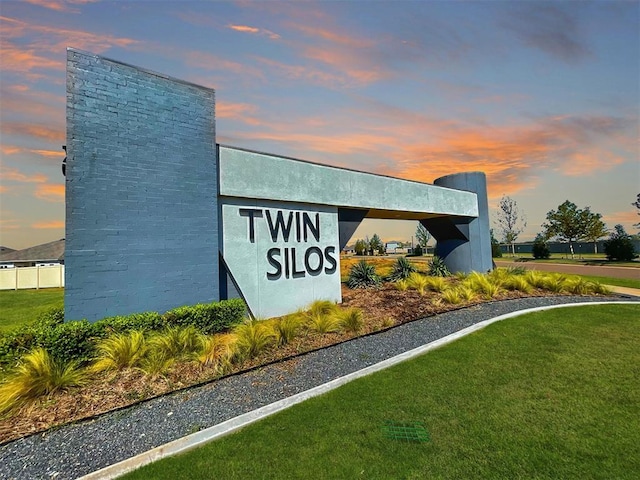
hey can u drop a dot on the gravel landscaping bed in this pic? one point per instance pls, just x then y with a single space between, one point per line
74 450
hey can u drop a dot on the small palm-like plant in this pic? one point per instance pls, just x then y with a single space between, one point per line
286 328
38 374
401 270
437 268
218 351
350 320
176 342
123 350
252 338
363 275
417 282
323 323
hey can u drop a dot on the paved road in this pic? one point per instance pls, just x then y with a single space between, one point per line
632 273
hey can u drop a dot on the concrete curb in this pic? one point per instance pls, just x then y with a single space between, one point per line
197 439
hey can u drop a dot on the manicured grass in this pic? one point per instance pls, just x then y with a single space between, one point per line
584 259
547 395
18 307
618 282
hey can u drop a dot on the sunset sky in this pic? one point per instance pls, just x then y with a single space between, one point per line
542 96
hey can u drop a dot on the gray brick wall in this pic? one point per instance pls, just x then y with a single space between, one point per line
141 191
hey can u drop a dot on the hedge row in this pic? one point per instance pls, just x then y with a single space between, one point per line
76 340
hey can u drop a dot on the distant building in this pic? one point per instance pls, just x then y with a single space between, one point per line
51 253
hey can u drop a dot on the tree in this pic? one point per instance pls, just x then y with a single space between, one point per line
375 244
511 221
595 230
360 247
567 224
422 235
637 205
619 246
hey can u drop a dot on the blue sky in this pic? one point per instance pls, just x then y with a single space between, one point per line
542 96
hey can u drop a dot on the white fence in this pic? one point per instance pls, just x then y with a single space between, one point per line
32 277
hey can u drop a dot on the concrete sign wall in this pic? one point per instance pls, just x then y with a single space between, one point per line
160 216
282 256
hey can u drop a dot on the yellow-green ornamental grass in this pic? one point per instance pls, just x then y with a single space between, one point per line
154 354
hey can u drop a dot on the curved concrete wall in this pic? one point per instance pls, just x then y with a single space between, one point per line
464 243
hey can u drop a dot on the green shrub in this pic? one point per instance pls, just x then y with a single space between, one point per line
209 318
437 268
76 340
619 246
38 374
540 249
401 270
363 275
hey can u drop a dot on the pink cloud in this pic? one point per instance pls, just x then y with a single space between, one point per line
14 175
254 30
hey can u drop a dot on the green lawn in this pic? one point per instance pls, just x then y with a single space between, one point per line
618 282
547 395
23 306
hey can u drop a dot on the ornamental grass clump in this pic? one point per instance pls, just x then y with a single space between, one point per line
350 320
417 282
401 285
176 342
252 338
518 283
217 351
286 328
437 284
322 307
323 323
401 270
363 275
555 282
38 374
120 351
452 296
535 279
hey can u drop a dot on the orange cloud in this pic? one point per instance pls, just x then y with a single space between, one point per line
50 192
14 175
13 150
50 224
51 134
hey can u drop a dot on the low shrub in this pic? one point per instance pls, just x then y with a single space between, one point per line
401 285
322 307
436 284
540 249
452 296
363 275
77 340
